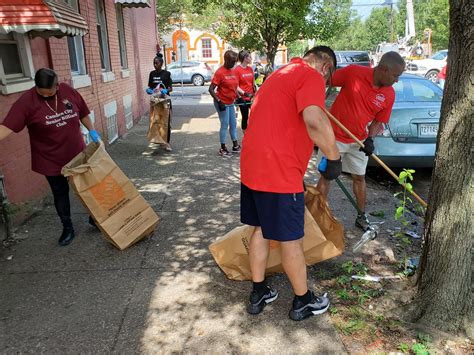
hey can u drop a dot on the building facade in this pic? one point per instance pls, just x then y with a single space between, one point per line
191 44
105 50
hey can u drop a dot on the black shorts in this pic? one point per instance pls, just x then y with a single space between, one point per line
280 215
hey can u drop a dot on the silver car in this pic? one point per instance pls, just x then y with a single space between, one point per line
409 139
193 72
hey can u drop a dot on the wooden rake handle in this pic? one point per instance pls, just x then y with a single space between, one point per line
376 158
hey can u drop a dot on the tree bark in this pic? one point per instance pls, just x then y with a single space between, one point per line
445 279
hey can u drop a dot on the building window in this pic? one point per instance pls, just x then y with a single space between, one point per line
103 37
121 36
16 64
76 48
206 48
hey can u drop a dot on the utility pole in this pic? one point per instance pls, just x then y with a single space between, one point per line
181 50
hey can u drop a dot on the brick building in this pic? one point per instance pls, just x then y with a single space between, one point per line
105 51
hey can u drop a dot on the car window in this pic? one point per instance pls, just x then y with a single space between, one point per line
417 90
353 57
172 66
439 56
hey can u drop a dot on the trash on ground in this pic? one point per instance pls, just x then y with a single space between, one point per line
375 278
413 234
369 234
10 257
411 265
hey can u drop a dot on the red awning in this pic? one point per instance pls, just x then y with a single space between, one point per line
41 18
133 3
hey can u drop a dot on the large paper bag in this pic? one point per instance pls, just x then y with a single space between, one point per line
159 121
319 243
120 212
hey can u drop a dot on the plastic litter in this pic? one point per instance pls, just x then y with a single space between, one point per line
374 278
370 234
411 265
413 234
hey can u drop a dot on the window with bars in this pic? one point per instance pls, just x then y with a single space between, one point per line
102 35
121 36
127 107
110 111
206 48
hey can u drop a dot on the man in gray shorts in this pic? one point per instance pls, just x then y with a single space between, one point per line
363 105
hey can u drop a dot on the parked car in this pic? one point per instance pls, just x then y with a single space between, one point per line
345 58
409 139
429 68
194 72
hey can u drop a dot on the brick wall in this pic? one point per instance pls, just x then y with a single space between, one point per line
140 37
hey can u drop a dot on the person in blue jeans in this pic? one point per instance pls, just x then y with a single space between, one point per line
223 89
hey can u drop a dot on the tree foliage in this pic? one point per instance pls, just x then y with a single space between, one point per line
365 35
264 25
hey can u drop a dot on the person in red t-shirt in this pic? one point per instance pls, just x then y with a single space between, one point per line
442 76
363 106
52 113
223 89
286 120
246 89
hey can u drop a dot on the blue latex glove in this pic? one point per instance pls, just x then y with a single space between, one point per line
149 91
330 169
323 164
94 136
164 91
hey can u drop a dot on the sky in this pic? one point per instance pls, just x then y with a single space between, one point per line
364 7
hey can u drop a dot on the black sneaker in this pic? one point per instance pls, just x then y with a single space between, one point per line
236 149
223 152
317 305
258 302
362 221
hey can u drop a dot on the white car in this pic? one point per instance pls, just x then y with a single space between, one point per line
193 72
429 68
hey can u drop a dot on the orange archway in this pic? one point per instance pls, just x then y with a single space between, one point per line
179 35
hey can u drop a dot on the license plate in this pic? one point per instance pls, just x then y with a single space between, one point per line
428 130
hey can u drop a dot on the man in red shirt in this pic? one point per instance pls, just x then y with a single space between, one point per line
286 120
363 105
52 113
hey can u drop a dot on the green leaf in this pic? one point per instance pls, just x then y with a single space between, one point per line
399 212
409 187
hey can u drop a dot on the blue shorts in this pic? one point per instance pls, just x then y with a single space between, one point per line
280 215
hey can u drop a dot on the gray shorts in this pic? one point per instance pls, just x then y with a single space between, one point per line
353 160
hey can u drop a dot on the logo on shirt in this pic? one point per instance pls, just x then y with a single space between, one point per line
379 100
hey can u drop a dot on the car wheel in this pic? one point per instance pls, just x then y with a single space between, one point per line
198 80
432 75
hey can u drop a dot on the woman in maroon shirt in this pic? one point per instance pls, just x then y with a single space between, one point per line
52 112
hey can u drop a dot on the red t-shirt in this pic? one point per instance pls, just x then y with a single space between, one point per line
276 147
55 138
246 80
226 82
359 102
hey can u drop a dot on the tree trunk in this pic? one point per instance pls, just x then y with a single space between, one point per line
445 279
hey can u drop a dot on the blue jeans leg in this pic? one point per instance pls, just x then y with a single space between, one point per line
224 119
232 123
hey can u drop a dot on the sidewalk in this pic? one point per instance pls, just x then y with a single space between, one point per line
165 294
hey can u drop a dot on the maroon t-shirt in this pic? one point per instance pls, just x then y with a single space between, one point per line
55 135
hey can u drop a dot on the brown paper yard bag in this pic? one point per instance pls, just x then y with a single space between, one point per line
159 121
321 242
120 212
